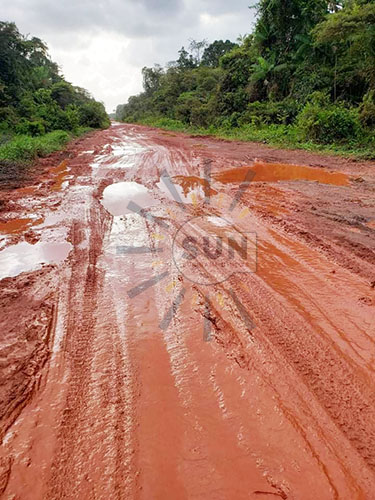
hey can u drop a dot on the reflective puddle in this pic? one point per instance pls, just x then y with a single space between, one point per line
121 154
23 257
274 172
117 197
126 148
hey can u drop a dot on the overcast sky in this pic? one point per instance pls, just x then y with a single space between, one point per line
102 45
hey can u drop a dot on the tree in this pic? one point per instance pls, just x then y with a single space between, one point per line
34 97
214 51
197 48
347 41
185 60
298 49
93 114
279 24
151 78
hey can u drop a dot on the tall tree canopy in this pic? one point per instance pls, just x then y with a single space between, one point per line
303 58
34 96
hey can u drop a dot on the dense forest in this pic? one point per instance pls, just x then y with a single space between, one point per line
306 74
39 109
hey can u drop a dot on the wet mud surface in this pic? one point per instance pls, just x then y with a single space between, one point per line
145 354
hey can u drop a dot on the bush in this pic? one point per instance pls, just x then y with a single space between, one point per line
233 120
68 119
192 109
165 123
201 115
328 124
33 128
92 114
367 110
281 112
184 105
8 118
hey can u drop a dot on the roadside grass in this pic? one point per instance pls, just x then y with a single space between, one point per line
18 152
281 136
23 148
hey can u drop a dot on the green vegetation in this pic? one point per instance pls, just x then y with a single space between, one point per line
304 78
39 110
23 148
284 136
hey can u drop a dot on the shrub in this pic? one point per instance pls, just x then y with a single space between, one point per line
191 108
184 105
92 114
34 128
328 124
8 118
163 122
367 110
281 112
72 115
233 119
200 115
68 119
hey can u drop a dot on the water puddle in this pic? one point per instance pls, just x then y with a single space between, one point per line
192 183
190 188
122 153
117 197
52 219
126 148
18 226
61 172
275 172
61 167
128 231
24 257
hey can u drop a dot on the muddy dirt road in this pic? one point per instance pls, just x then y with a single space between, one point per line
134 364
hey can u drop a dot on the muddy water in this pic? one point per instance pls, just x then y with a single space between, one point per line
191 183
60 176
17 226
275 172
134 401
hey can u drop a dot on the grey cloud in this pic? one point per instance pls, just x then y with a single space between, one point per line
135 18
131 18
103 45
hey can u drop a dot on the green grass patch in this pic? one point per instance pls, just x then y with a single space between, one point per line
18 152
24 148
281 136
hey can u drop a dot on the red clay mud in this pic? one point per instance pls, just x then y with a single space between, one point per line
124 377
